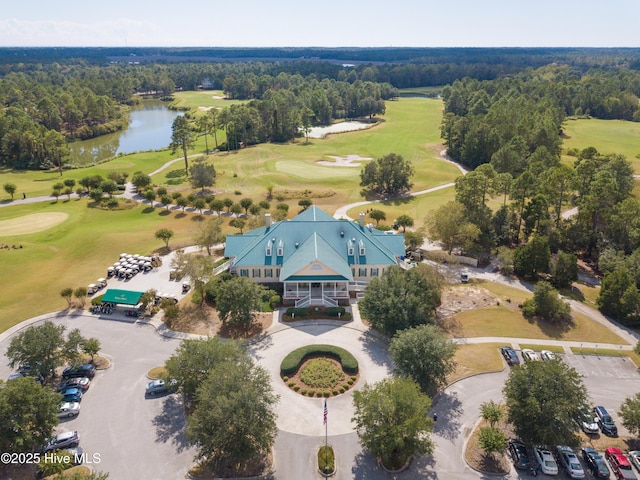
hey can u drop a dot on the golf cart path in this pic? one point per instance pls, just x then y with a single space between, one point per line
341 212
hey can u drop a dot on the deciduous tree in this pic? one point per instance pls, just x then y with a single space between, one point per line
392 421
209 233
389 175
10 188
546 304
546 402
194 359
237 301
39 347
377 215
234 420
202 174
401 299
630 414
424 354
27 415
165 235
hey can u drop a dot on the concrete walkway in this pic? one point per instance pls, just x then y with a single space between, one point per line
341 212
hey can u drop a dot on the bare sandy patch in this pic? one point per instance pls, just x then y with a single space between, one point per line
36 222
352 160
206 109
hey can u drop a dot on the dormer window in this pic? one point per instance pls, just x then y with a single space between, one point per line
268 249
350 248
361 248
280 250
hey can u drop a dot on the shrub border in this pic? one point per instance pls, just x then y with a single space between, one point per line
291 363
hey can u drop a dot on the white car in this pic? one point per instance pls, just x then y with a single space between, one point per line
590 426
570 462
69 409
547 355
529 355
634 456
546 461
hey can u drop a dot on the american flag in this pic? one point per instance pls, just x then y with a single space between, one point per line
326 412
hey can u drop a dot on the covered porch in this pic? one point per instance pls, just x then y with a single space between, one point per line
308 292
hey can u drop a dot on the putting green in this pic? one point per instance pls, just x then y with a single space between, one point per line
303 169
36 222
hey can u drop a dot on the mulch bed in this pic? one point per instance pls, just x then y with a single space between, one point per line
298 381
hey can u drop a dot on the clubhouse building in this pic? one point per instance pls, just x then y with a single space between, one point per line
314 259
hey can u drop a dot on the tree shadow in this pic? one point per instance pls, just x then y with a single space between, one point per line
171 422
180 215
197 218
449 410
375 345
164 213
148 210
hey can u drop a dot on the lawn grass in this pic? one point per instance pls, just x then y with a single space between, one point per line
75 252
472 359
538 348
501 321
157 372
192 100
607 136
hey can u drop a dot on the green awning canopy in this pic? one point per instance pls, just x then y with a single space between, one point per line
124 297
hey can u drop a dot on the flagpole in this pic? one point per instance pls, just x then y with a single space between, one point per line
326 434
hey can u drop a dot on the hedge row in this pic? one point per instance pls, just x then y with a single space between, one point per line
306 311
292 362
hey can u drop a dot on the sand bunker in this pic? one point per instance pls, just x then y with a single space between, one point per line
348 161
321 132
36 222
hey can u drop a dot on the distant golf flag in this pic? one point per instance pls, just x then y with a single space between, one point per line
326 412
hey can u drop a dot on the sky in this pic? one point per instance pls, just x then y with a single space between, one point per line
326 23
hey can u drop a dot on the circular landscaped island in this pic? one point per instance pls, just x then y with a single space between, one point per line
319 370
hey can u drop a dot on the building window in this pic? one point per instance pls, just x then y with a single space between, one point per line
361 248
244 272
280 251
374 272
362 272
256 273
268 272
267 251
278 272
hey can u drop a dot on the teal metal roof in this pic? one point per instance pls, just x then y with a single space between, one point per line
123 297
312 229
319 257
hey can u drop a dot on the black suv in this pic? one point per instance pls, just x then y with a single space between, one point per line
510 355
519 454
84 370
605 422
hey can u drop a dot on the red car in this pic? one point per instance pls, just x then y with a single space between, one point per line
619 463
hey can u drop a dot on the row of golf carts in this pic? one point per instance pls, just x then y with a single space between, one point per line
130 265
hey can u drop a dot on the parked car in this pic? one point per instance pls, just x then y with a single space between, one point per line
529 355
547 355
155 387
69 409
71 395
619 464
590 425
635 459
82 383
519 454
595 462
546 461
570 461
84 370
62 440
510 355
605 422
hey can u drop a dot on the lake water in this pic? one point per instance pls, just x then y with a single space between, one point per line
149 129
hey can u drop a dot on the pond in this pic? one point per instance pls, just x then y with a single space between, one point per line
149 129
